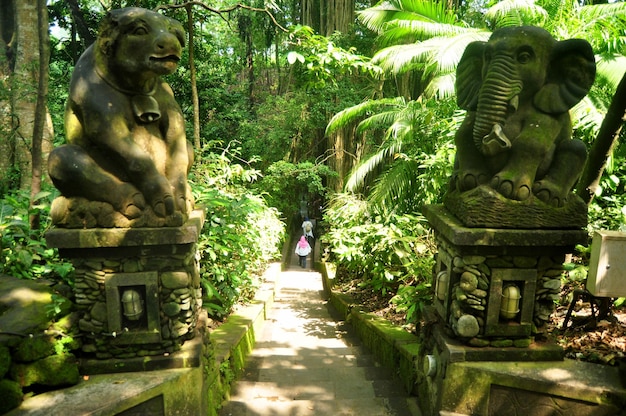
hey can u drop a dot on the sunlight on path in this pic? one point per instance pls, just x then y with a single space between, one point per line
307 363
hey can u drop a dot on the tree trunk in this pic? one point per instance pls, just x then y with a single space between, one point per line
244 23
328 16
250 68
24 93
79 26
24 87
7 144
40 119
603 145
346 153
194 87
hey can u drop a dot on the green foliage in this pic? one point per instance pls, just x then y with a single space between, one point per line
607 210
60 305
284 183
280 122
24 252
240 236
413 294
412 165
391 253
65 345
228 375
317 61
59 75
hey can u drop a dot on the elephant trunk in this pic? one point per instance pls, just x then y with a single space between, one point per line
497 98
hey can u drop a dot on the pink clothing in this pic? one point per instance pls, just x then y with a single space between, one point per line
303 243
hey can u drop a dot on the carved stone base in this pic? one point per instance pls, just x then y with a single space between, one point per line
137 290
477 267
486 208
81 213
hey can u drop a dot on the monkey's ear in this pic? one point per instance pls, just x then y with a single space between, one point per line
106 33
469 76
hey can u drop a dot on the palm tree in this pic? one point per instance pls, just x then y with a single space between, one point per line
423 38
415 153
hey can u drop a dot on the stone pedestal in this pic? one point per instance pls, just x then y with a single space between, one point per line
477 267
471 321
137 289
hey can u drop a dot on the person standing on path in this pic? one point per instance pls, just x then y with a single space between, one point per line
303 248
307 230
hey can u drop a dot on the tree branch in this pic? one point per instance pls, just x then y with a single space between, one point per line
221 12
603 145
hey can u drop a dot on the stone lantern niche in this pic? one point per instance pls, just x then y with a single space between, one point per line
475 306
133 306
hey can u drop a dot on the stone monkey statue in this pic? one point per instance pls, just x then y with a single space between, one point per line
127 157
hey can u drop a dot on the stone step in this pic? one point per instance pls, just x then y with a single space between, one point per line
342 381
532 388
306 362
401 406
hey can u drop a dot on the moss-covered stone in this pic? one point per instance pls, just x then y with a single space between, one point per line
22 308
171 309
33 349
478 342
55 370
5 360
501 343
522 342
11 394
67 323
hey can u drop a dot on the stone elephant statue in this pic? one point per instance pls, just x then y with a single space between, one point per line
517 89
126 143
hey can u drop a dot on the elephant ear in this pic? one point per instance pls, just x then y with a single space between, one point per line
469 76
571 73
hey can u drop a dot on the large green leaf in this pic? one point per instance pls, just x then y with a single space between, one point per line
378 17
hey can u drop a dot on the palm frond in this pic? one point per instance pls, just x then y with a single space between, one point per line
396 59
397 35
437 58
434 11
394 187
446 52
594 13
402 128
603 25
377 17
588 113
383 119
360 175
516 13
420 30
612 68
556 7
352 114
441 86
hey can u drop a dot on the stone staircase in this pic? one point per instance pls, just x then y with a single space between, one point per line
307 362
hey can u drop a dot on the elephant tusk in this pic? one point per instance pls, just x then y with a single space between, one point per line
514 103
495 142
